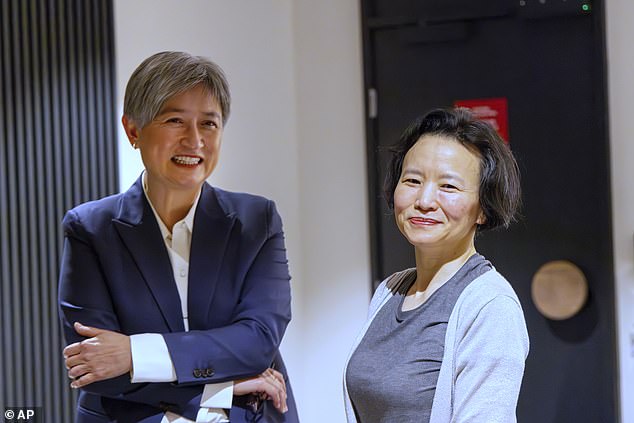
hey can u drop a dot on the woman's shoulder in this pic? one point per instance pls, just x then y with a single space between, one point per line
495 282
247 207
235 199
492 302
396 280
389 286
257 214
487 287
105 207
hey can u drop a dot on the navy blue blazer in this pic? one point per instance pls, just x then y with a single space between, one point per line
116 274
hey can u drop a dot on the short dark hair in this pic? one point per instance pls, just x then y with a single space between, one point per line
166 74
500 193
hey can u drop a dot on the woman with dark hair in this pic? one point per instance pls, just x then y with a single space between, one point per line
445 341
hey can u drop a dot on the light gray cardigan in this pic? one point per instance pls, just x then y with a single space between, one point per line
486 345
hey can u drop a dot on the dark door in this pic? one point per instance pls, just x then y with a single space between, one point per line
546 58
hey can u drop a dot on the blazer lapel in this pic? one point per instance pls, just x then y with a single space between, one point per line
140 233
212 230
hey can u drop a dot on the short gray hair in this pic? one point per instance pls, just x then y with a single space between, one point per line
166 74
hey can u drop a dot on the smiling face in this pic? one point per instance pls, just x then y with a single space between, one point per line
181 145
436 203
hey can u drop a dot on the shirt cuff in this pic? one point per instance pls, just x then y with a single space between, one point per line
151 361
211 415
217 395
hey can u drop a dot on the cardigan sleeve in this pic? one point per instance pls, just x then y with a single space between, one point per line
489 363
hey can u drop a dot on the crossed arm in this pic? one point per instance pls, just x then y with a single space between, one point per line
99 355
106 354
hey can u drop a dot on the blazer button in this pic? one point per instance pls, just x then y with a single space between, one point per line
166 406
198 373
209 372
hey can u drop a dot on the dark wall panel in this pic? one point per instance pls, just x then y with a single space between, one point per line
58 149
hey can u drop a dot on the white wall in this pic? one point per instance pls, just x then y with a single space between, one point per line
295 135
333 200
620 33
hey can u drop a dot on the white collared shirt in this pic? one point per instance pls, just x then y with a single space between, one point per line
151 361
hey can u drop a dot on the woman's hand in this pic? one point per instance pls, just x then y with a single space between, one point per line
104 355
269 385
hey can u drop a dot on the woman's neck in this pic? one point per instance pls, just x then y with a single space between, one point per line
171 205
433 270
435 267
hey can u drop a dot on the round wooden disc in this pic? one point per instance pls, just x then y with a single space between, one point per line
559 289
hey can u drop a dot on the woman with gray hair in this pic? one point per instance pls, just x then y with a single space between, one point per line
174 295
446 340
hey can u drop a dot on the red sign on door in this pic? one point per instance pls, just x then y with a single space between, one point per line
491 110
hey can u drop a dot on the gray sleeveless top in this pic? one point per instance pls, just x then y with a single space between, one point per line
392 374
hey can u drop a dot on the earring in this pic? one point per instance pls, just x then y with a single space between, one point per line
134 146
